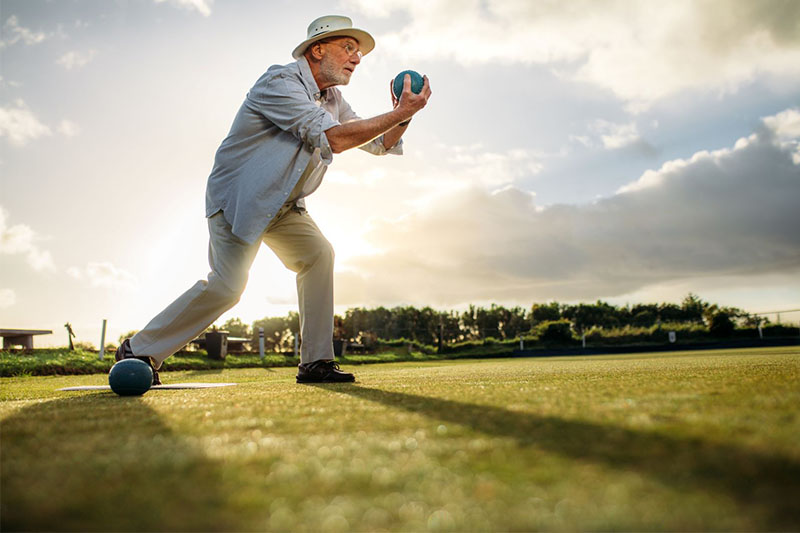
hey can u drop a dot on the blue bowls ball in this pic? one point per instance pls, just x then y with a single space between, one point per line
416 82
130 377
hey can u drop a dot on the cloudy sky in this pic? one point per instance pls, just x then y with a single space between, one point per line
627 151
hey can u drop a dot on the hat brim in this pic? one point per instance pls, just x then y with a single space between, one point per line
365 41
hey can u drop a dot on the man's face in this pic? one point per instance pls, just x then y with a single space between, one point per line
339 59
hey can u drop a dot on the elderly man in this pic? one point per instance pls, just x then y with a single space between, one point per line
281 142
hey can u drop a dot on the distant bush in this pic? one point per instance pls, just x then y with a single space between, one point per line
85 346
771 330
555 331
127 335
657 334
721 325
405 343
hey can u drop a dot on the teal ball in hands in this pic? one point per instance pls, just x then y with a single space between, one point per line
416 82
130 377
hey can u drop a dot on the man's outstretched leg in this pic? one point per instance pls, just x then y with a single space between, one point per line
300 245
188 316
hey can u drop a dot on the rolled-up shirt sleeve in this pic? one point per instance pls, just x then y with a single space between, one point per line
284 101
376 147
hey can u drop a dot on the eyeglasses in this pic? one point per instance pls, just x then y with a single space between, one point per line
349 48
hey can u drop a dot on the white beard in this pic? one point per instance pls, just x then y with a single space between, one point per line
331 72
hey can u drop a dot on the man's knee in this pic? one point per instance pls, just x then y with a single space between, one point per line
329 250
318 257
228 290
326 253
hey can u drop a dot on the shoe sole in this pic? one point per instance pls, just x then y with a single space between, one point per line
305 380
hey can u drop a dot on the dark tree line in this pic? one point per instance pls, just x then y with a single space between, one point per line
432 327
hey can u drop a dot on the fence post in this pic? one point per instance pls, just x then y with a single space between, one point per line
261 342
103 341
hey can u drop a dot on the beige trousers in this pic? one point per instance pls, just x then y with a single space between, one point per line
298 243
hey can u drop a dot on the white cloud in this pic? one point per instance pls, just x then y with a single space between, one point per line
730 212
74 59
21 239
786 124
786 128
201 6
7 298
104 275
476 165
8 83
616 135
642 51
609 135
14 33
68 128
20 125
425 176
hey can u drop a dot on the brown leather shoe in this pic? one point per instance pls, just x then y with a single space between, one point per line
125 352
323 372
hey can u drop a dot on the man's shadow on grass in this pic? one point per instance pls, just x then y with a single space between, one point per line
766 485
98 462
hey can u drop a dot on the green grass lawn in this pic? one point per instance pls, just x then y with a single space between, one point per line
679 441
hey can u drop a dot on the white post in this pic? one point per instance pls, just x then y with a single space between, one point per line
261 342
583 340
521 343
103 341
760 333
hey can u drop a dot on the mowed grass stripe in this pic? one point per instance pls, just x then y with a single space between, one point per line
700 440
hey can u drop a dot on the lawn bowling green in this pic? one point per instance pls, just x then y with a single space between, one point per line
678 441
167 386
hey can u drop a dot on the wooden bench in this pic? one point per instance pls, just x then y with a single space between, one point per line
354 347
234 344
21 337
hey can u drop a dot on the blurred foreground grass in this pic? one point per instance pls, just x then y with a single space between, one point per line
679 441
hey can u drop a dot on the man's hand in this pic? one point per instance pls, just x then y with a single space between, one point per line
410 101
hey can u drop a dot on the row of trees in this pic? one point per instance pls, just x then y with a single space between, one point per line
428 326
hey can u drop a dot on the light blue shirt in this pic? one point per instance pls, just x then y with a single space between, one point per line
278 129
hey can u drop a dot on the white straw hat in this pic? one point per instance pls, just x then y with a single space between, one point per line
335 26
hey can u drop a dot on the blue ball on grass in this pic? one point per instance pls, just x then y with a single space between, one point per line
130 377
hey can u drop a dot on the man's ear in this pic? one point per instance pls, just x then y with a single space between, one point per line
315 51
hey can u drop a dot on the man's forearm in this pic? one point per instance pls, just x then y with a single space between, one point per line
358 132
391 137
